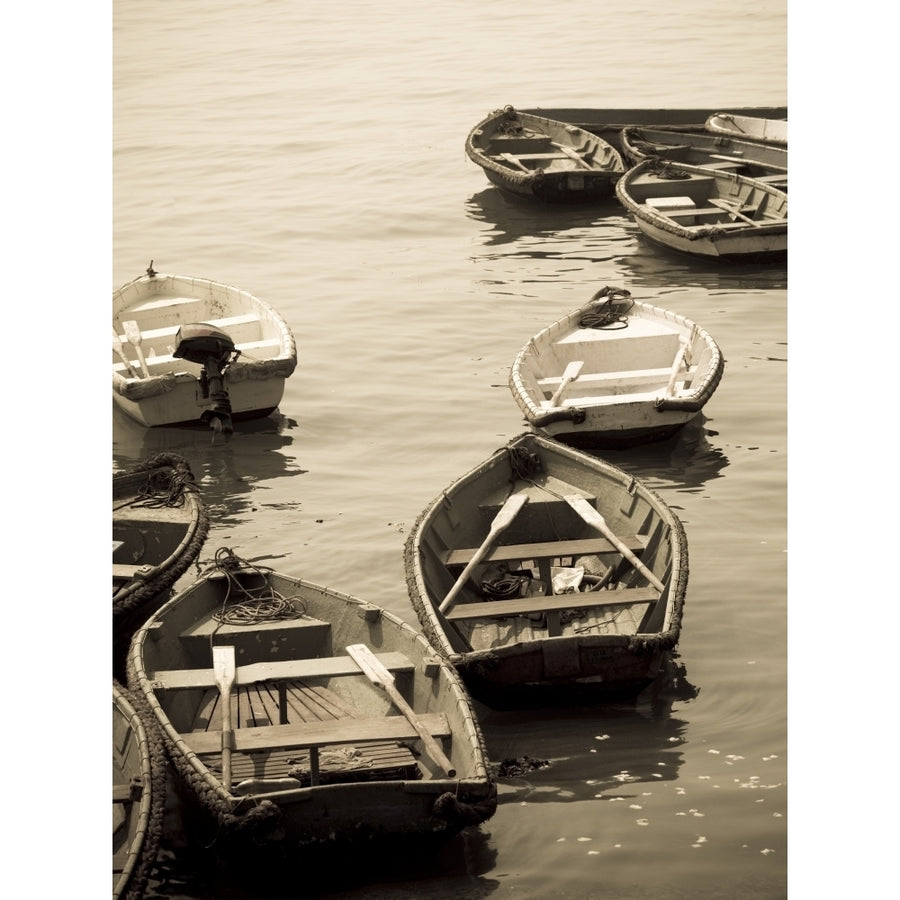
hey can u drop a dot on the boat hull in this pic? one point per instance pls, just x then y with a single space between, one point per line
680 207
174 390
533 156
700 148
632 385
765 129
608 123
138 797
509 657
160 524
353 791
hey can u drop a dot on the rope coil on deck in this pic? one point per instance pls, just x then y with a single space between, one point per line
612 312
245 605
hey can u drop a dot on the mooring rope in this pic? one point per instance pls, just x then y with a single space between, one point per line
245 605
612 313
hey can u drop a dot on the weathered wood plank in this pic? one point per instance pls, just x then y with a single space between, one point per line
325 667
319 734
545 549
554 603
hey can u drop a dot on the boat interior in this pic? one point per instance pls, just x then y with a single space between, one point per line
532 151
604 362
144 537
580 584
151 327
302 711
704 199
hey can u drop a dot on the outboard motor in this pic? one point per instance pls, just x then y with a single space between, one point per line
214 350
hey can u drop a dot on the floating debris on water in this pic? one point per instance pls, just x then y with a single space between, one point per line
520 766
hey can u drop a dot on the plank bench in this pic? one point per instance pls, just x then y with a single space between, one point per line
322 667
543 554
317 734
633 376
545 550
553 603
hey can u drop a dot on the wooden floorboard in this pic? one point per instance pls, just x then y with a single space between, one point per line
257 705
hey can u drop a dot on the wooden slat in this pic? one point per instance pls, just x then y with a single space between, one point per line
554 603
319 734
326 667
547 549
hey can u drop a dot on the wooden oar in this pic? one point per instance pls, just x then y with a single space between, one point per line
120 352
676 367
595 520
382 678
514 161
504 517
723 204
223 670
573 154
573 370
133 333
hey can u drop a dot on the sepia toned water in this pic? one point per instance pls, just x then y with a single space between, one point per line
312 154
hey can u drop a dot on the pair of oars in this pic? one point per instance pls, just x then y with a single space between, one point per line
224 673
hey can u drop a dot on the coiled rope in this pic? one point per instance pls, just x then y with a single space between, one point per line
247 605
610 314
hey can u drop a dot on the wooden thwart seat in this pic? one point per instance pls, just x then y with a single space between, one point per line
553 603
545 550
179 679
317 734
631 376
279 729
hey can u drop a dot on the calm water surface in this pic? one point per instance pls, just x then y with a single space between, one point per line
313 155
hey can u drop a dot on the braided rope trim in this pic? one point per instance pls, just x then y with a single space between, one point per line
140 596
133 884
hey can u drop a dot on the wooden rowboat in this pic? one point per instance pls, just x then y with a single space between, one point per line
160 523
749 128
615 373
706 212
538 157
188 351
138 786
608 123
764 162
299 714
546 575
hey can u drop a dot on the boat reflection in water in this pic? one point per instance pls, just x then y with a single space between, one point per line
688 461
227 469
511 218
591 750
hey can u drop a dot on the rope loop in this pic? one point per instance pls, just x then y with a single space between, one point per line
610 310
248 604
